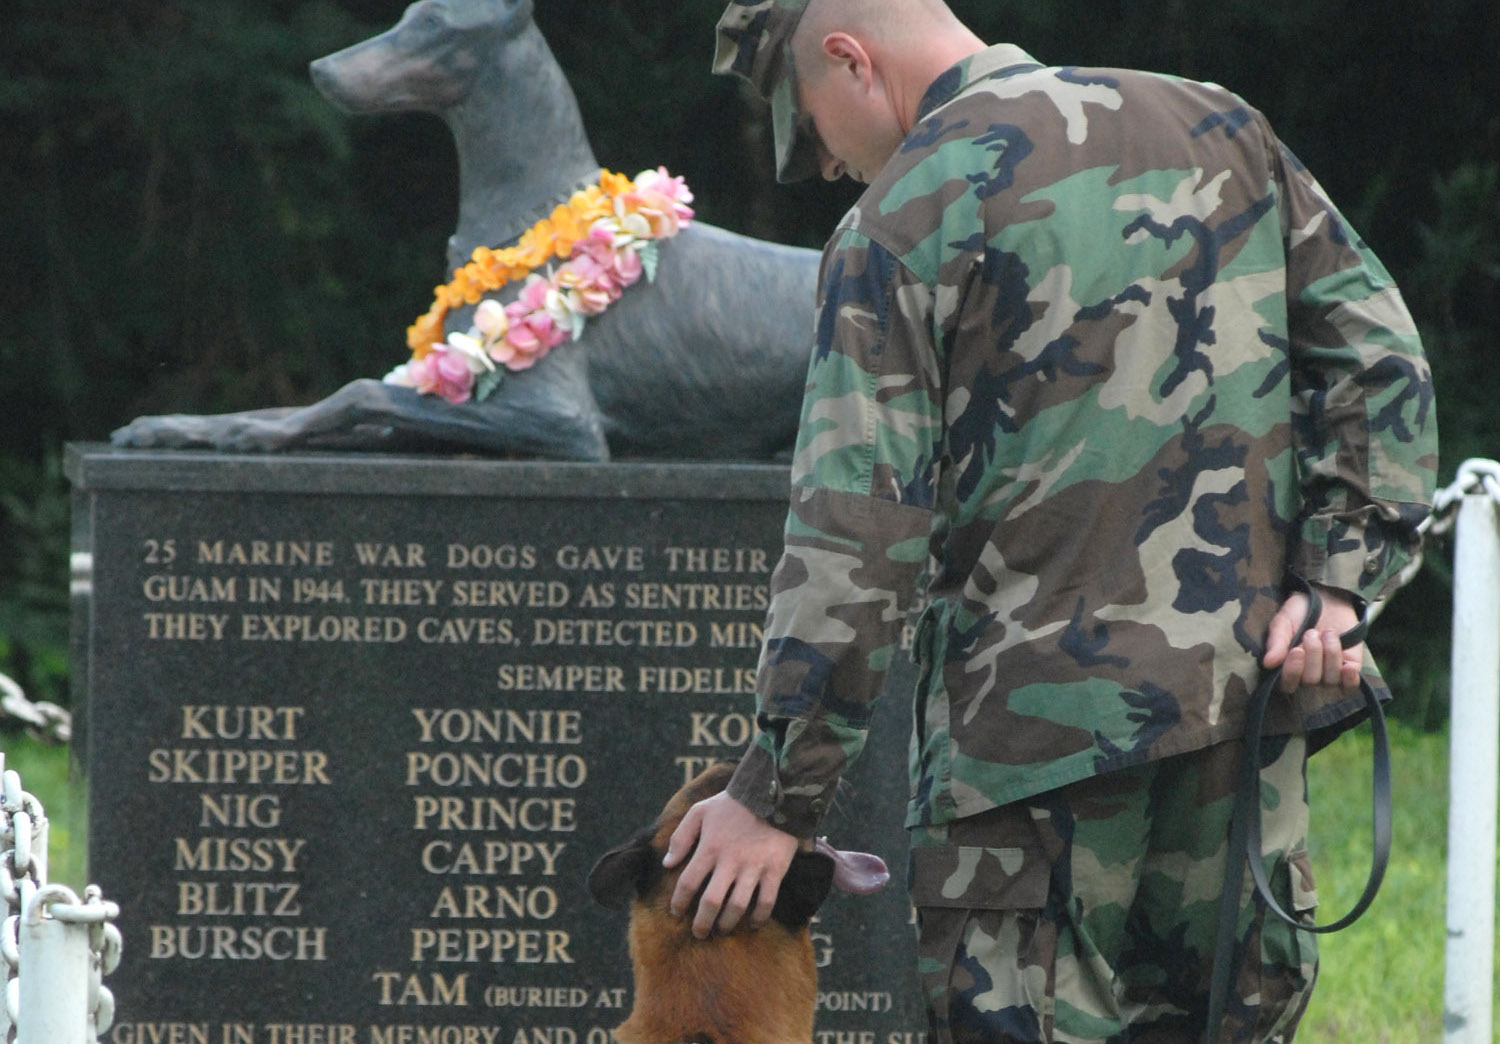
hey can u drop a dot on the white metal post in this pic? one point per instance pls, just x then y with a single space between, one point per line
1472 775
55 956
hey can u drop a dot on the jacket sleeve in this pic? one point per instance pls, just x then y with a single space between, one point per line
1364 424
863 492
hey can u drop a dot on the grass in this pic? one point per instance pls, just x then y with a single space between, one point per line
44 773
1381 980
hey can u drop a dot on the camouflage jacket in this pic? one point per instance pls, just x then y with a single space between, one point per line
1097 353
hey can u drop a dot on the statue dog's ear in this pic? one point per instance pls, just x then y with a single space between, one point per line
516 15
625 872
803 889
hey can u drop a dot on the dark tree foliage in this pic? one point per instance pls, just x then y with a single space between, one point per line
192 228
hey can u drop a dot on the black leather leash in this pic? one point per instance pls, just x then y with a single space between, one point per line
1245 825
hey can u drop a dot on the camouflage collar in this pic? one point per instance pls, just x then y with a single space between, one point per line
1006 59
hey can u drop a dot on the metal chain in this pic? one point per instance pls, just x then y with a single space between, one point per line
27 896
21 876
1473 476
47 720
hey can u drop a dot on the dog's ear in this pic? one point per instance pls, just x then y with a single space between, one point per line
624 872
803 889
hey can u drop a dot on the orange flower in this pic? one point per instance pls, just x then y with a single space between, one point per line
571 226
533 249
425 332
614 184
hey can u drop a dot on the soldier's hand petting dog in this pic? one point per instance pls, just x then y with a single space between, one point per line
1319 659
740 856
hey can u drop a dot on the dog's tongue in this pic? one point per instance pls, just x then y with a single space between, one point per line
858 872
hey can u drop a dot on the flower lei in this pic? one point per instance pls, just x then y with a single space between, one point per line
608 234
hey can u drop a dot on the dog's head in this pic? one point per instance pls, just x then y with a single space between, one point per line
633 871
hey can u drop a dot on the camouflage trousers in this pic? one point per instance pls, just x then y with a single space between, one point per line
1090 913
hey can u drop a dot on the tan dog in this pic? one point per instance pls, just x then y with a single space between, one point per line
750 986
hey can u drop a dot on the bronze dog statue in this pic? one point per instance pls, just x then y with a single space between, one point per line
708 360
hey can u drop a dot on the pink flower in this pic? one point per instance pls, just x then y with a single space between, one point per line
533 298
661 200
613 249
588 284
529 338
675 189
647 215
628 265
440 372
605 237
656 207
533 330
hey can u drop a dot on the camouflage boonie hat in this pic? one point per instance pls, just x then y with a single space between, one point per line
755 42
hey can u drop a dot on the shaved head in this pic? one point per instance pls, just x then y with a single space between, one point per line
861 68
879 22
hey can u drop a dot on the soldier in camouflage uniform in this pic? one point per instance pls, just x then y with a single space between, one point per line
1097 353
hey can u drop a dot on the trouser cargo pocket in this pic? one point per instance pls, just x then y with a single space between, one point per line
1289 958
985 954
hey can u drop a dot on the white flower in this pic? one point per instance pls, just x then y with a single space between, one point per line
400 375
471 350
490 321
636 225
